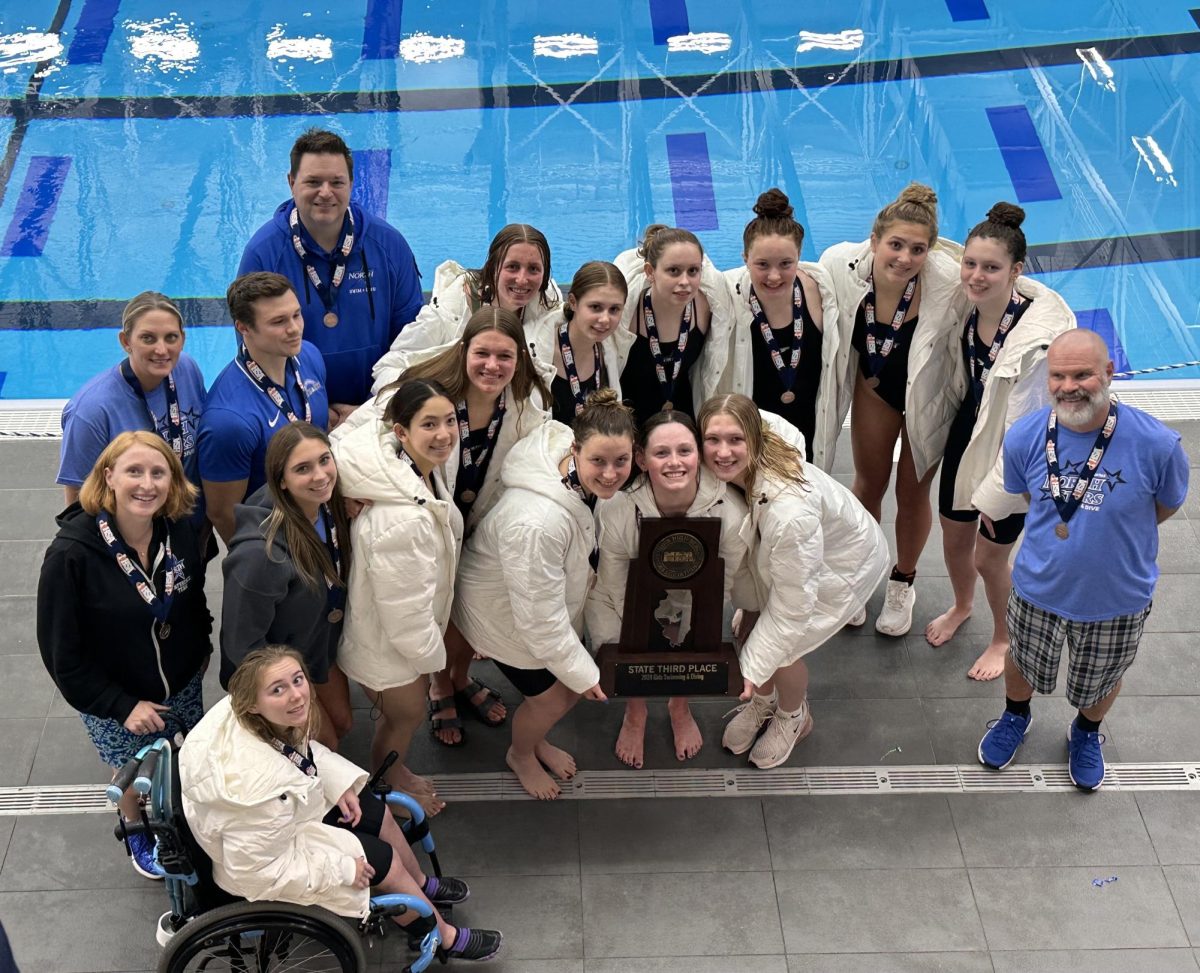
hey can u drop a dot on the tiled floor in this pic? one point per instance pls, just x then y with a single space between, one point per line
971 882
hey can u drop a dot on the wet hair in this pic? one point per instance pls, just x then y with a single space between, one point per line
917 203
318 141
408 398
773 217
594 273
1003 223
248 288
483 281
768 453
96 495
604 414
666 418
659 236
243 695
448 370
144 302
305 548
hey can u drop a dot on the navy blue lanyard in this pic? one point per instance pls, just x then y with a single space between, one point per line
174 433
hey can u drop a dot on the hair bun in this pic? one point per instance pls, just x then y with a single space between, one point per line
653 230
773 203
605 397
919 194
1006 214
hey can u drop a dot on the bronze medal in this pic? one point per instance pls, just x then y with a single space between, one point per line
788 397
335 616
668 406
873 382
468 496
164 631
330 319
1062 532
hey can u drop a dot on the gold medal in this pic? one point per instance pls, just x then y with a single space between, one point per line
330 319
468 496
1062 532
668 406
335 616
788 397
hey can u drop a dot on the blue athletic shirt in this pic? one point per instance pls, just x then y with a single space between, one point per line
106 406
367 324
1106 567
239 419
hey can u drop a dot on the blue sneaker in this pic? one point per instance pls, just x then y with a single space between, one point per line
144 863
1086 760
1004 737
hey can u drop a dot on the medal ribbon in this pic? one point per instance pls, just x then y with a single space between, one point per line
174 433
979 375
337 259
1067 507
879 346
273 391
305 764
571 482
568 358
787 371
143 584
476 460
676 360
336 596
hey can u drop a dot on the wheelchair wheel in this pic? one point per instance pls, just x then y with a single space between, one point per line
265 937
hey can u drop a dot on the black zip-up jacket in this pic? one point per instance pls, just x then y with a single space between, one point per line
98 637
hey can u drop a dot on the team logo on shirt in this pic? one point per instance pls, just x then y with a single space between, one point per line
311 387
1103 483
181 580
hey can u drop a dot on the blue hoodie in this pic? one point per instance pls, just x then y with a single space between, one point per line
369 317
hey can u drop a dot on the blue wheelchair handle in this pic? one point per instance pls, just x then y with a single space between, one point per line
149 763
419 906
120 783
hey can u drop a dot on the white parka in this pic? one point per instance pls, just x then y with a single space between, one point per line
259 818
706 373
1017 384
739 373
542 335
929 406
815 557
618 525
443 320
525 572
405 547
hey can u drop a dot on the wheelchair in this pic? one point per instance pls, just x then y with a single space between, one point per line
207 930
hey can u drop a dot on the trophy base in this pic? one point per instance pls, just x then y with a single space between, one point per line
691 673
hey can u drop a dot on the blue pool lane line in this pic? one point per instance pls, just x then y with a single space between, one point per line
967 10
94 28
372 173
668 18
691 181
1099 320
26 236
1023 154
381 30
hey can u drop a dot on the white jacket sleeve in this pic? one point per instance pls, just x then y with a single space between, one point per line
336 774
1029 394
536 581
793 565
403 585
606 601
435 325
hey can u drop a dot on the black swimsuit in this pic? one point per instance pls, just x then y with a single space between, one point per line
768 385
639 380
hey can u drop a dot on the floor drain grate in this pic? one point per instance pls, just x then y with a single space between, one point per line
30 424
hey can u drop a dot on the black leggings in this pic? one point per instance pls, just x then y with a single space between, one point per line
1008 529
377 851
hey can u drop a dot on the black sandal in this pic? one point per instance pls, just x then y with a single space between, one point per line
472 944
483 709
439 723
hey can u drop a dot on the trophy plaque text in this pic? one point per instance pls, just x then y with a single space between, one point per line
671 625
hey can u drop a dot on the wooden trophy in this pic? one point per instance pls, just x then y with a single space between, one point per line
671 626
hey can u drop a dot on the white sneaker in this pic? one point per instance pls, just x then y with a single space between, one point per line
742 730
776 744
859 619
896 617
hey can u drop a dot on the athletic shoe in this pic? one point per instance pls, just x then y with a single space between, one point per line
445 890
896 617
141 849
742 730
780 738
859 619
479 945
1003 739
1085 758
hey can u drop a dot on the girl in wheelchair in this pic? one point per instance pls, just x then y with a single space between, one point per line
285 819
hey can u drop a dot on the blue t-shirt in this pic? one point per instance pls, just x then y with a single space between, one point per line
1107 565
107 406
379 295
240 419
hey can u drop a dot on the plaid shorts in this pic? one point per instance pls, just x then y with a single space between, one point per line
1099 652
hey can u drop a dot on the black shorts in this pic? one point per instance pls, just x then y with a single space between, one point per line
528 682
377 851
1008 529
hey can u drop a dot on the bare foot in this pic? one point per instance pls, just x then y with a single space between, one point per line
431 804
560 763
683 725
990 665
631 741
533 776
941 630
403 779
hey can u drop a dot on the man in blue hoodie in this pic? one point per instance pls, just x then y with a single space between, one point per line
356 277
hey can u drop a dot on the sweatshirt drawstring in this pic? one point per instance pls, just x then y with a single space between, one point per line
367 280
